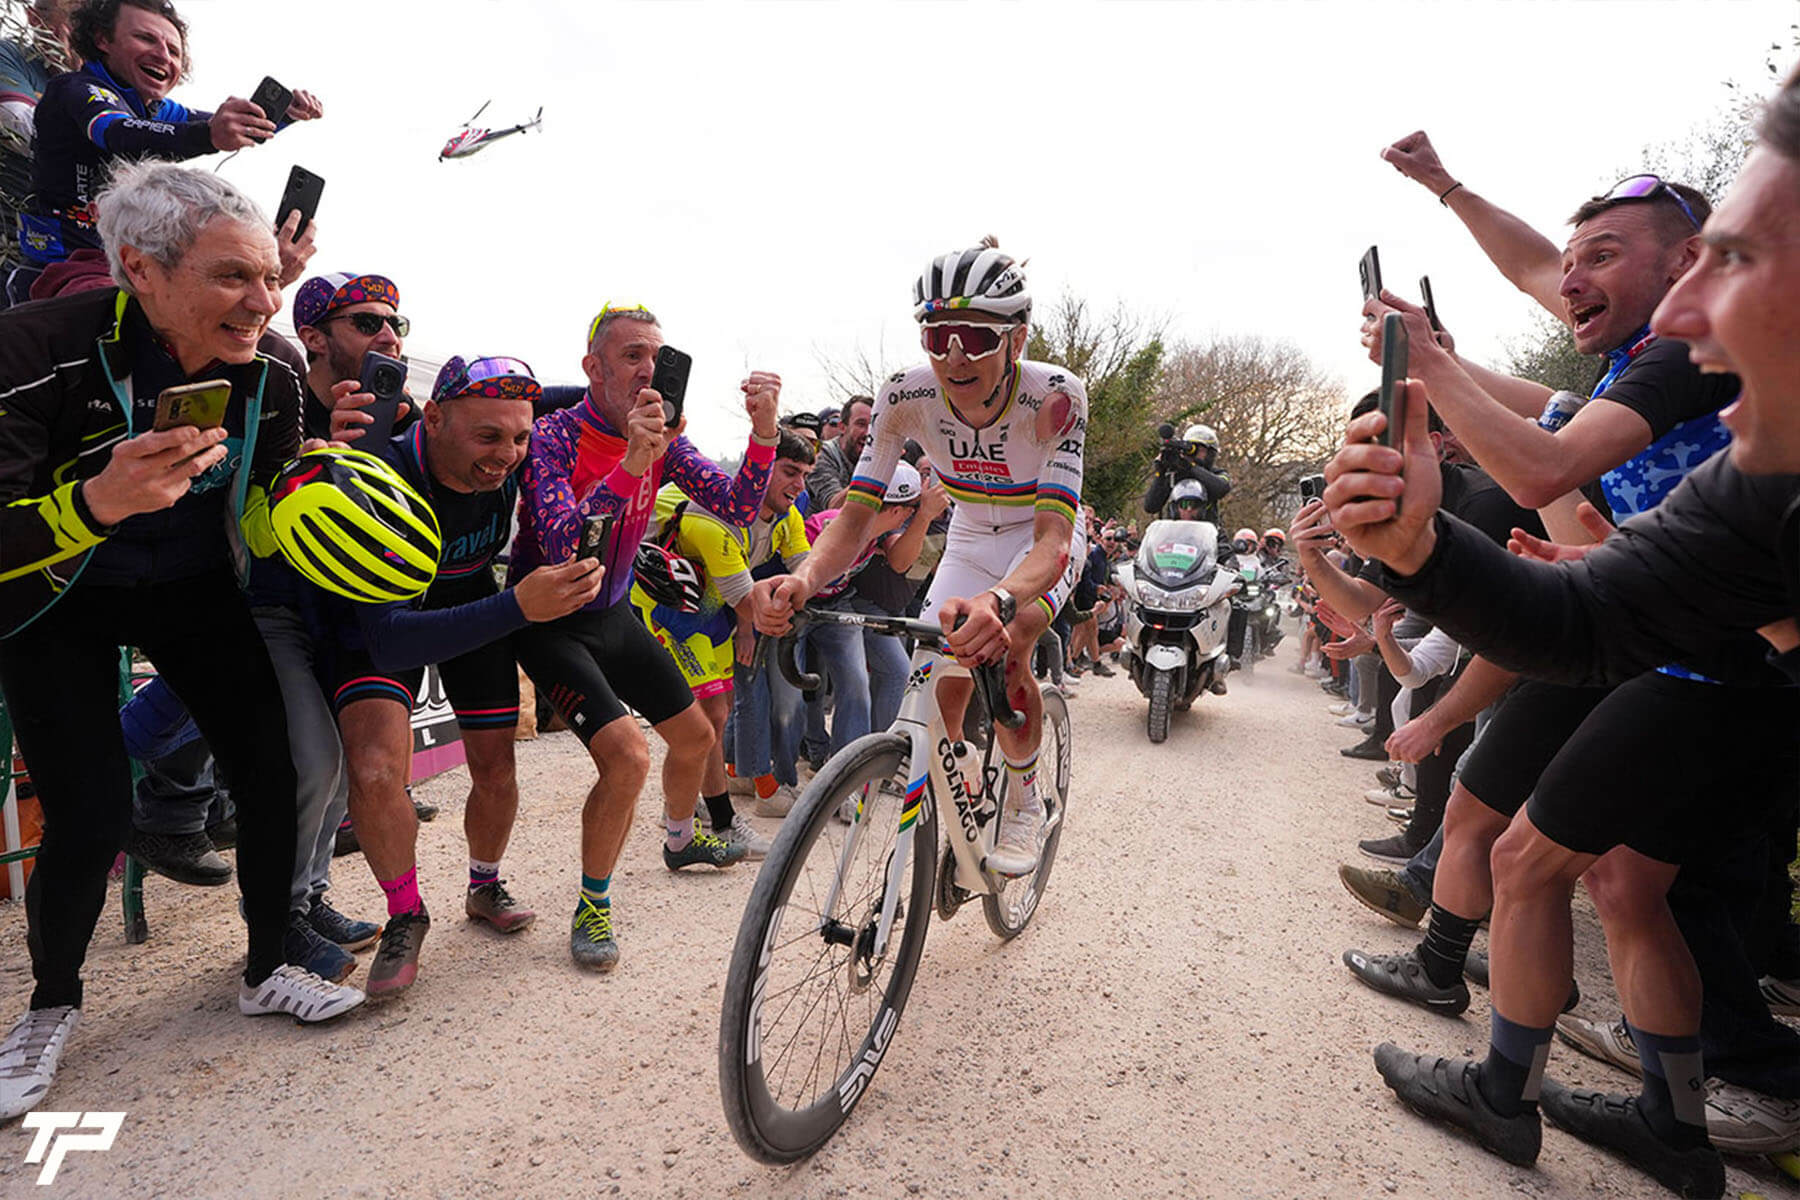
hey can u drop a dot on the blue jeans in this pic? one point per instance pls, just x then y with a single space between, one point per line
763 733
867 671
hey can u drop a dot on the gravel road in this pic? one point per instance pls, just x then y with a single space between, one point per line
1175 1022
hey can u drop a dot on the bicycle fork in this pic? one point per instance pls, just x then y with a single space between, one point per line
934 775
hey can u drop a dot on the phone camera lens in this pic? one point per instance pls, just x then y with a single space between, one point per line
387 381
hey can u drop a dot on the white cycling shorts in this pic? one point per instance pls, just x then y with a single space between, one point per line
978 559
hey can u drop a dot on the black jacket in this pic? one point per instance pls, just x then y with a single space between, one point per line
63 405
1216 483
1718 558
84 121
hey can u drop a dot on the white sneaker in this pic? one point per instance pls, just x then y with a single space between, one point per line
1021 839
741 833
777 803
29 1056
299 993
740 785
1342 708
1356 720
1741 1121
1399 794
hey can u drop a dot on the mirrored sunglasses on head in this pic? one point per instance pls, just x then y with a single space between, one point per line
508 376
1641 187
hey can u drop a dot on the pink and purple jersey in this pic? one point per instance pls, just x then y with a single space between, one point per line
576 471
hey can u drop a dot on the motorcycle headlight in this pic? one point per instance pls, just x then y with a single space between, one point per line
1184 601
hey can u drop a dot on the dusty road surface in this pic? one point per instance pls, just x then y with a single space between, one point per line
1175 1022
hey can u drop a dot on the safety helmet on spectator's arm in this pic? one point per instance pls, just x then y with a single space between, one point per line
348 522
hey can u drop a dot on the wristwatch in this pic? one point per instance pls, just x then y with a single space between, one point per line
1009 608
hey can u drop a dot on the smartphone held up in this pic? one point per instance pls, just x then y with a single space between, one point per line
671 381
1392 403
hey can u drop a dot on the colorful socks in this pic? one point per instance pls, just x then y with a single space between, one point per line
597 892
1024 783
482 873
403 893
765 786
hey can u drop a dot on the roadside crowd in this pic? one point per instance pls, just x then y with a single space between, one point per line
1564 624
135 279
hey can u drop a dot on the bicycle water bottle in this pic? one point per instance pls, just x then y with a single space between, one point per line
1560 409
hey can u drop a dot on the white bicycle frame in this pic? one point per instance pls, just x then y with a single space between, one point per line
971 818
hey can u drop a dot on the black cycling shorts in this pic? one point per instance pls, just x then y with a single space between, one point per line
482 685
594 662
1527 730
1673 768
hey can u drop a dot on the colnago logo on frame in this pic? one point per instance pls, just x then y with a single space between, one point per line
60 1132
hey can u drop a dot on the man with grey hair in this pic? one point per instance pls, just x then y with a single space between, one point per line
114 534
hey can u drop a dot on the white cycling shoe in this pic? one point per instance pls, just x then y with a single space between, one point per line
29 1055
299 993
1020 842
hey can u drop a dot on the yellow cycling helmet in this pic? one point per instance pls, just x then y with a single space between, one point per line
348 522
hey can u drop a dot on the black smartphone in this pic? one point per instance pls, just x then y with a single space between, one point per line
301 194
1437 326
385 379
670 382
1394 354
201 405
1370 269
595 531
1311 487
273 99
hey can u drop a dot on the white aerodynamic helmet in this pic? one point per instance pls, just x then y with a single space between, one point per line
980 279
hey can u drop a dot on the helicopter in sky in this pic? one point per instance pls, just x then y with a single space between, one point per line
469 139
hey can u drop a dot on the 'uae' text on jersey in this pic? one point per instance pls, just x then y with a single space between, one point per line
1026 459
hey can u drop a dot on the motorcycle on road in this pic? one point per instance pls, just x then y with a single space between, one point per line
1177 612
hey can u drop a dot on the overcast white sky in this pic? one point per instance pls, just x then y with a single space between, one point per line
769 177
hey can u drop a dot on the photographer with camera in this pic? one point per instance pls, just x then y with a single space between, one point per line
1193 457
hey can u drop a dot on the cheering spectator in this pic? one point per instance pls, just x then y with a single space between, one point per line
127 545
838 454
605 458
117 106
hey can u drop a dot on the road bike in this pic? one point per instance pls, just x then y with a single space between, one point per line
831 936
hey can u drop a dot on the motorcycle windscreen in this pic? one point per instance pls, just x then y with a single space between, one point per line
1177 553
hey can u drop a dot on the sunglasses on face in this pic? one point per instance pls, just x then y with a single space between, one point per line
1638 187
976 341
369 324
